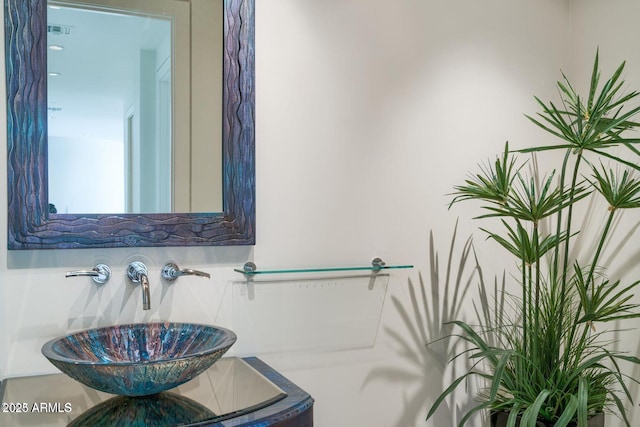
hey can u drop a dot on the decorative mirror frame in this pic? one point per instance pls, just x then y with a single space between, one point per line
30 224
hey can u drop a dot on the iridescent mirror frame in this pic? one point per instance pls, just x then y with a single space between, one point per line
32 226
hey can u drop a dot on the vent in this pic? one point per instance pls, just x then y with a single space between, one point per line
59 30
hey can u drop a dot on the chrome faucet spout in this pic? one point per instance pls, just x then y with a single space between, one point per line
138 273
146 294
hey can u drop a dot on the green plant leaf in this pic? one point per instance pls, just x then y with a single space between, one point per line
513 414
568 414
471 412
447 392
602 304
621 409
492 184
530 415
582 401
498 374
621 191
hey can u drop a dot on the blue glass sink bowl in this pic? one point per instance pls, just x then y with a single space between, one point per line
139 359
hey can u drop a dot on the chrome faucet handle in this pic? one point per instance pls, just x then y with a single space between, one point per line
171 272
99 274
138 273
136 270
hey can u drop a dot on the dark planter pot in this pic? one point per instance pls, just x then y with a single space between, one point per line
499 419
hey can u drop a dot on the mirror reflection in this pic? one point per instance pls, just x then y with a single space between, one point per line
134 106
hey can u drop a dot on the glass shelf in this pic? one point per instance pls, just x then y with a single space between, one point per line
250 269
293 314
309 309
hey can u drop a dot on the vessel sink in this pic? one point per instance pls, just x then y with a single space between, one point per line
139 359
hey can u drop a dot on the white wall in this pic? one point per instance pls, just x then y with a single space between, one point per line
368 112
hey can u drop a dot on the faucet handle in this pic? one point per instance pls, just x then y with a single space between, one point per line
99 274
136 270
171 272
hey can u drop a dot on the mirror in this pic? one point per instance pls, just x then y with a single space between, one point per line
33 225
124 87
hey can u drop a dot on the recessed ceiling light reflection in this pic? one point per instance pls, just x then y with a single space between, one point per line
54 74
56 47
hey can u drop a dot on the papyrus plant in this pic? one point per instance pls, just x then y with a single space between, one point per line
552 358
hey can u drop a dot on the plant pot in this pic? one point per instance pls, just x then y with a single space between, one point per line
499 419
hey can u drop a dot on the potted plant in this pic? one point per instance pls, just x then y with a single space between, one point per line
550 360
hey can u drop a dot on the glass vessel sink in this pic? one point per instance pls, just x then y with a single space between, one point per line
139 359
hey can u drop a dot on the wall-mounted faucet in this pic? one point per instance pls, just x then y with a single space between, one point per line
171 272
138 273
99 274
